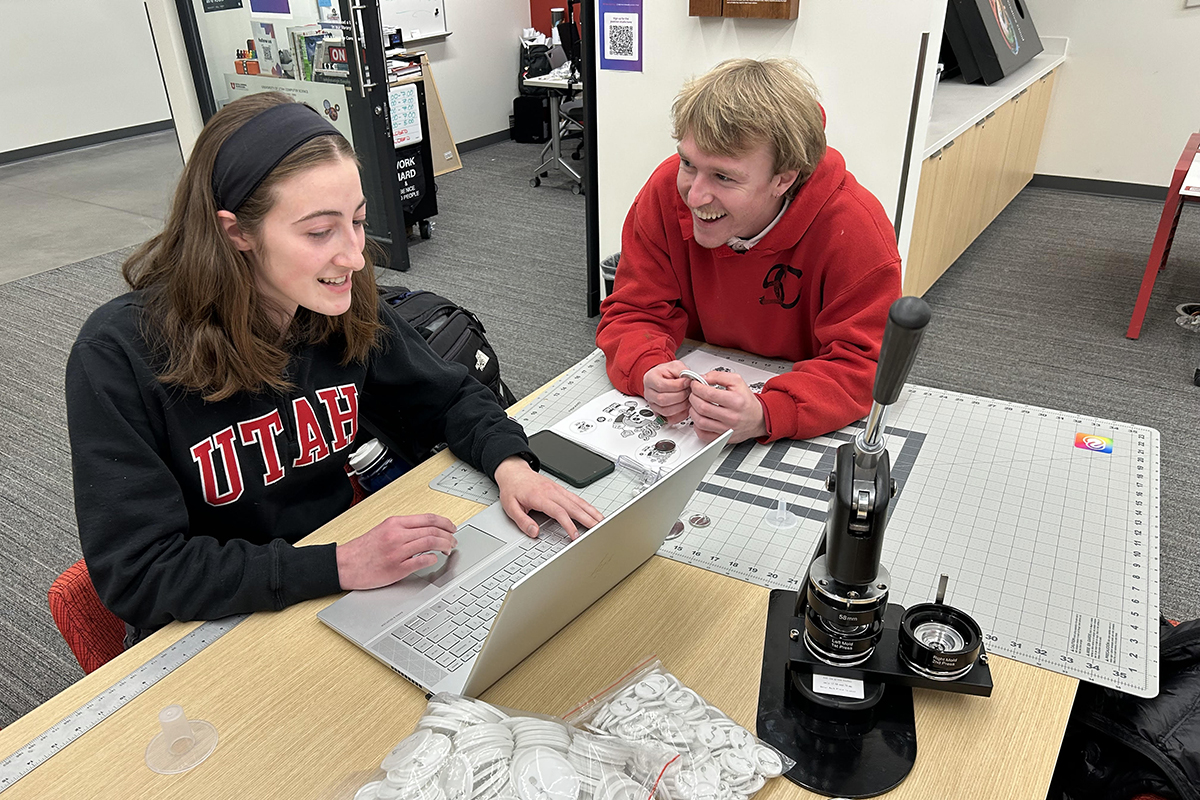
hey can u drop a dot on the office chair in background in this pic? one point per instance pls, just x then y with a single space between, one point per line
572 118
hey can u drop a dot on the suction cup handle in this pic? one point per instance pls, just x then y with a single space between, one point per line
907 319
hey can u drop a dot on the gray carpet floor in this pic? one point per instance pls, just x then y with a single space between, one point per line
1034 311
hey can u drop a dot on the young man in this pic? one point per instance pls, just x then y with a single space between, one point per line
753 236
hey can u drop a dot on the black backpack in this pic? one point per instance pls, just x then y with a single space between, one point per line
1118 746
455 334
535 61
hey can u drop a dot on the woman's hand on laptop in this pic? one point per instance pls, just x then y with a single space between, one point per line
394 549
522 490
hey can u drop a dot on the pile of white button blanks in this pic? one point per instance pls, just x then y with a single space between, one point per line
465 749
604 763
718 759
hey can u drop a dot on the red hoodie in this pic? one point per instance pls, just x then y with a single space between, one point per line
816 290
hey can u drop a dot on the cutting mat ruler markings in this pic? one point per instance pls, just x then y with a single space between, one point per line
1051 542
111 700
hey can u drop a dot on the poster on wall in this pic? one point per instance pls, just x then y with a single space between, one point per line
621 29
328 11
220 5
328 98
282 7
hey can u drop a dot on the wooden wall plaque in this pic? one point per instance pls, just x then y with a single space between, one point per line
762 9
755 9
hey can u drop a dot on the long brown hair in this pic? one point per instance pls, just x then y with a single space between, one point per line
202 302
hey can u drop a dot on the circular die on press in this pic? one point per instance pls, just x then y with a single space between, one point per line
540 773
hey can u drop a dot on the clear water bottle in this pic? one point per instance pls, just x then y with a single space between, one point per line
375 467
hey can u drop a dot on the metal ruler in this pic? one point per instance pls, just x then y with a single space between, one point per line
111 700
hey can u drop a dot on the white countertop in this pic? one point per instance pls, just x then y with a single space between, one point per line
957 105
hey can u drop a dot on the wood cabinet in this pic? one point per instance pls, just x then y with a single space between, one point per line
970 179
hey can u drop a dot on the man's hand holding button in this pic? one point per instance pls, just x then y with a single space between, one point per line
726 403
666 392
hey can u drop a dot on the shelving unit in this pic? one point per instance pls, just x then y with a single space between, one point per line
981 148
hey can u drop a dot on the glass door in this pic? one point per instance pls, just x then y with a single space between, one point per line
326 53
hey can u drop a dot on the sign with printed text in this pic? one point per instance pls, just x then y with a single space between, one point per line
220 5
621 35
406 115
327 98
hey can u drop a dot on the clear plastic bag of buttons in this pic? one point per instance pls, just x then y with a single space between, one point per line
650 707
466 749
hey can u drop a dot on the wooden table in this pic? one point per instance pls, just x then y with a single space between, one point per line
303 713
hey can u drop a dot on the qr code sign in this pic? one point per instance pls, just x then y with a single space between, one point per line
620 37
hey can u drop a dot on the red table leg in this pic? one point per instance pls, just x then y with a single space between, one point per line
1163 237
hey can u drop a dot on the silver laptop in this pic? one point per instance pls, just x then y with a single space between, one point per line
460 626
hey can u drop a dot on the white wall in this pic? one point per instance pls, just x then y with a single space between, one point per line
1129 95
76 67
861 53
476 67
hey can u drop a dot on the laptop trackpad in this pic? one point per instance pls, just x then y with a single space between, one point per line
473 546
364 614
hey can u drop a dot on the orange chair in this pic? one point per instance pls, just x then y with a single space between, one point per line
94 634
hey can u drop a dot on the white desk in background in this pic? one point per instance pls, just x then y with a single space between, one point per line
552 153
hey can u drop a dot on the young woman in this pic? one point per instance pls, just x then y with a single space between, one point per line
212 409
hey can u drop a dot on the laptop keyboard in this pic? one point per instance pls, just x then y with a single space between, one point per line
451 630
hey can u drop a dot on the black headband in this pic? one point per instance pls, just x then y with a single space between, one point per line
248 156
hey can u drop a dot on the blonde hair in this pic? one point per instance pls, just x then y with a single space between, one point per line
742 103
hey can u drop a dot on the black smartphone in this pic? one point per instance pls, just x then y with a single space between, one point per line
564 459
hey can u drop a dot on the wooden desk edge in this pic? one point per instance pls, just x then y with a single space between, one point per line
1032 757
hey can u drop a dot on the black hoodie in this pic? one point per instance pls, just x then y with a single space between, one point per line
190 509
